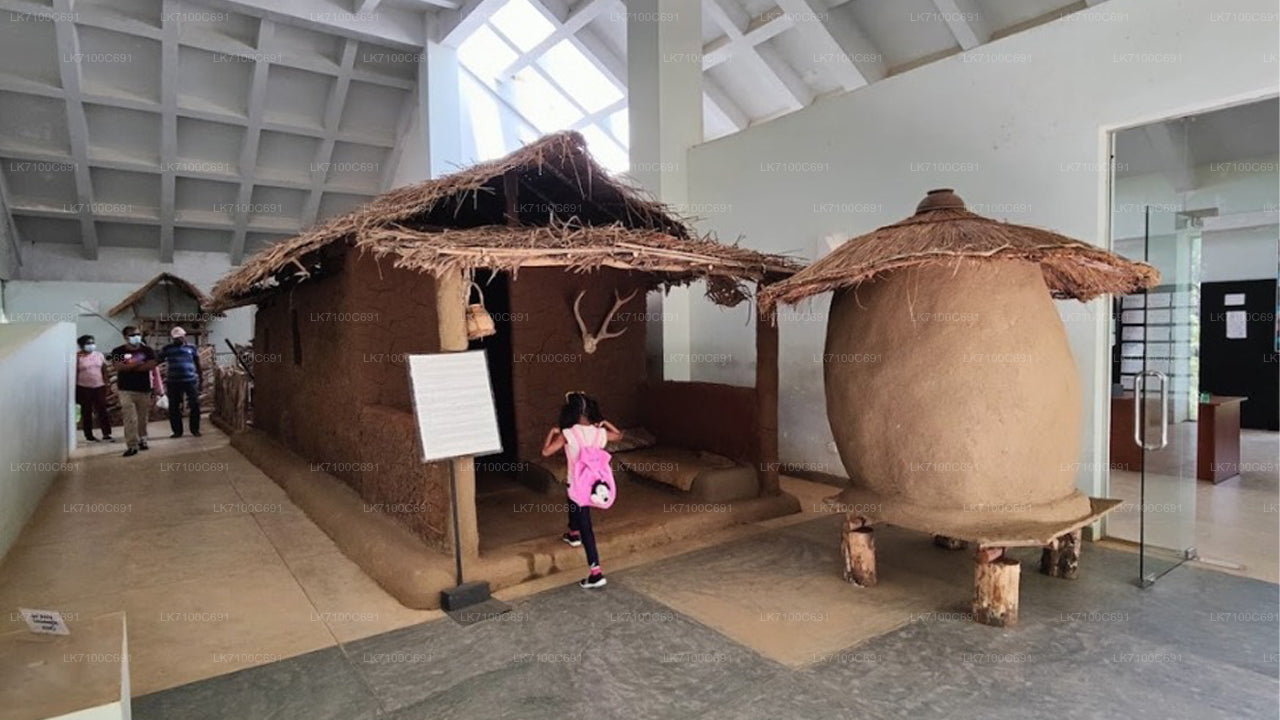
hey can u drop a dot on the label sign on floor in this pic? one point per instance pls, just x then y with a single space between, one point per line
45 622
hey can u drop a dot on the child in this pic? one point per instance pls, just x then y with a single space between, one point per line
581 422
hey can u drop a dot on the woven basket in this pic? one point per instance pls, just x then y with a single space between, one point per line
479 322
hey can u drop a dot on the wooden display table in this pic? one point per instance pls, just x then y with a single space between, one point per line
1217 442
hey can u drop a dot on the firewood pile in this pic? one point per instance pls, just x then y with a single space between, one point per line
231 407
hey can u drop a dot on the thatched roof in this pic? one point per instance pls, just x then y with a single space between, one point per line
547 204
137 296
943 231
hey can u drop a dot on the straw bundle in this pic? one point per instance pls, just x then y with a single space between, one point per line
571 213
943 232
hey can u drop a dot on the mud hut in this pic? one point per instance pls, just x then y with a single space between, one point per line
560 255
951 390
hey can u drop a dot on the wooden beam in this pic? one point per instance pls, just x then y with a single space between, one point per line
511 194
767 402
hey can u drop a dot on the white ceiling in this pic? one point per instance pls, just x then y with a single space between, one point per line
227 125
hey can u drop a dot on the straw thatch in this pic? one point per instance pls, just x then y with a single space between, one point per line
942 231
166 278
547 204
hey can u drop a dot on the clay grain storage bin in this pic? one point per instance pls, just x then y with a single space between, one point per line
951 390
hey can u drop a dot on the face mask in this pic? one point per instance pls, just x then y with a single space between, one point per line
135 339
89 347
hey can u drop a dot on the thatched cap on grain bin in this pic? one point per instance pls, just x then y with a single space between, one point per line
944 231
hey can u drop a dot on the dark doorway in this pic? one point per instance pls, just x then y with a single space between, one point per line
496 292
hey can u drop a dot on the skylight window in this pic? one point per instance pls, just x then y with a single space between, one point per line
610 154
486 55
522 24
579 77
541 103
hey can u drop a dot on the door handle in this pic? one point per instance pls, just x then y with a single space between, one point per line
1139 389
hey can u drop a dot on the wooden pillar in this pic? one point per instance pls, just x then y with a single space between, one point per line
1061 558
949 543
995 588
451 311
858 545
767 402
511 193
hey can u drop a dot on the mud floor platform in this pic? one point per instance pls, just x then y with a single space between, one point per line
1200 644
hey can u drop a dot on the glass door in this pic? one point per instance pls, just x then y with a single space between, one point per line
1166 394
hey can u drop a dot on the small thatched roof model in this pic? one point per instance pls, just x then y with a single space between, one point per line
547 204
135 297
943 231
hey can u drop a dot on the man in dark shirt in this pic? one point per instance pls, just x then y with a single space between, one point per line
133 363
182 380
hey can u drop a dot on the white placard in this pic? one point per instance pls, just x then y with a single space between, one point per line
1133 301
1233 299
453 401
1133 317
1132 332
1159 316
1237 325
45 622
1159 300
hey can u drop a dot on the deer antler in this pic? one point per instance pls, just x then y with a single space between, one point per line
591 341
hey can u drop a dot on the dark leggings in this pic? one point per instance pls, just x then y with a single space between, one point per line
93 401
580 522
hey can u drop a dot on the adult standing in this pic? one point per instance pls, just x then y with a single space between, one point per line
182 380
91 388
133 362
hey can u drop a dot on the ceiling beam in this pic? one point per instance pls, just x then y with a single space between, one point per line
77 123
168 127
252 136
6 208
457 25
386 27
748 31
575 18
809 16
964 23
735 23
332 119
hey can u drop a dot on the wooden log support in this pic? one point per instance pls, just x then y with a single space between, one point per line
949 543
1061 558
858 545
995 588
767 403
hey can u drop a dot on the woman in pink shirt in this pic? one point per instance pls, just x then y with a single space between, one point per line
91 388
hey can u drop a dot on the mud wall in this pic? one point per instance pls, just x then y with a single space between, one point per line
547 355
332 385
704 416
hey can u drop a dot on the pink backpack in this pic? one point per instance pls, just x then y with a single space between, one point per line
592 484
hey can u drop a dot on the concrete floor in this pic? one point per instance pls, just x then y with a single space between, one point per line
1200 644
1235 524
240 608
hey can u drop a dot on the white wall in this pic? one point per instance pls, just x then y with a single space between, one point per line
1017 126
55 278
36 377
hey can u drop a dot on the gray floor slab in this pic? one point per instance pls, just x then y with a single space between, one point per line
321 685
1199 644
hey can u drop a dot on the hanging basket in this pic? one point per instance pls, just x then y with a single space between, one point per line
479 322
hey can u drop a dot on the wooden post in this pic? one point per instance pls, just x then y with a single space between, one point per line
511 193
452 289
767 403
995 588
1061 558
949 543
858 545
